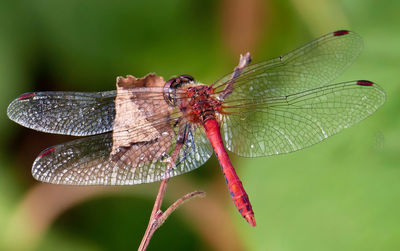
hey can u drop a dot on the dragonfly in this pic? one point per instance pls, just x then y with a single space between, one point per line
149 129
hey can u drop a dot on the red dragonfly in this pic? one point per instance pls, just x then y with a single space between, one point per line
272 107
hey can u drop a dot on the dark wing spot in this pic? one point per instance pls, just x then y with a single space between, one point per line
46 151
27 95
340 33
365 83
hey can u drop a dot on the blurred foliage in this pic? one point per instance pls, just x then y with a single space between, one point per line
342 194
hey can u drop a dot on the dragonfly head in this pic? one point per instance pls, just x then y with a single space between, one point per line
172 85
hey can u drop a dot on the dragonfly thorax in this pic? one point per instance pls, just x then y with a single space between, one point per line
199 103
196 101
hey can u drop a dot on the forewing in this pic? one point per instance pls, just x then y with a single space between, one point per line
70 113
274 125
88 161
315 64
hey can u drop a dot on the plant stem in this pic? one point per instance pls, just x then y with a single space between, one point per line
157 217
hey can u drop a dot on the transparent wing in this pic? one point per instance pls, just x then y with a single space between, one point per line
312 65
70 113
274 125
86 113
87 161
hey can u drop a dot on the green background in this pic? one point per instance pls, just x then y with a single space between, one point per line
342 194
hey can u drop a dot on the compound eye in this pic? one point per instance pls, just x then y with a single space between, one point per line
169 91
168 84
186 78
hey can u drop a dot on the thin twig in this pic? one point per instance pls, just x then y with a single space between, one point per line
154 214
178 203
157 217
243 62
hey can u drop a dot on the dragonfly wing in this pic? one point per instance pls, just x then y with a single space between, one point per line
274 125
87 161
315 64
70 113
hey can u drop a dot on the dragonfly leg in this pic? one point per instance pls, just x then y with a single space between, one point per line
181 138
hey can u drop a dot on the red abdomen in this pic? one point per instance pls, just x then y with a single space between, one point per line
235 187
